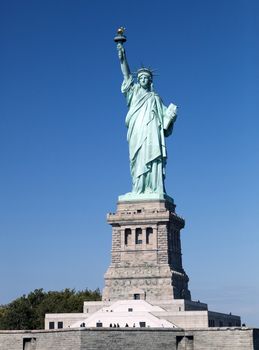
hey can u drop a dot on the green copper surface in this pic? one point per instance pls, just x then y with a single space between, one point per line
149 122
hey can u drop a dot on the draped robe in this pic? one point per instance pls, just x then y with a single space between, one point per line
148 123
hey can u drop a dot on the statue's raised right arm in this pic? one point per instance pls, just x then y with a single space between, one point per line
123 61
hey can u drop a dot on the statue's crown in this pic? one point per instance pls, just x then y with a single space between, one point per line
145 70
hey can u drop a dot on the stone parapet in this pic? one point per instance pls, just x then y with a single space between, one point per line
238 338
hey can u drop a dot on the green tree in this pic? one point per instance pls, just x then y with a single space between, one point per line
28 312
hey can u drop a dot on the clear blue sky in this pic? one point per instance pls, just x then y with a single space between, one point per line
63 149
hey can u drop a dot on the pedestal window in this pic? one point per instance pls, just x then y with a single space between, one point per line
149 235
138 236
127 236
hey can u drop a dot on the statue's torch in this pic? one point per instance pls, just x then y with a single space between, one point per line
120 38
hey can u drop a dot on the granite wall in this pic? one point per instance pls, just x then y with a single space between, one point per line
132 339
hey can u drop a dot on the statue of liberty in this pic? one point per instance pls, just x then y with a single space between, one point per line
148 121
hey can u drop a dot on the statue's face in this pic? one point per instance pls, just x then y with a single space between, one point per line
144 81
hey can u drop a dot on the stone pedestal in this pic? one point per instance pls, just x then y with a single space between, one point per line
146 253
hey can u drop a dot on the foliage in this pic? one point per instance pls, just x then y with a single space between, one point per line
28 311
